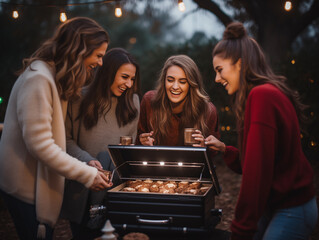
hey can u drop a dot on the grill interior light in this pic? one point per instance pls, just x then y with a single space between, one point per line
162 163
144 163
180 164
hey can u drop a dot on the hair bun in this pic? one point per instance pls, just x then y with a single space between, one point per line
234 30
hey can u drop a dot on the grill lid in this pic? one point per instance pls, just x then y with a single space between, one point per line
163 163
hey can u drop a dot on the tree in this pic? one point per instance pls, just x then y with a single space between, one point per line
275 28
136 31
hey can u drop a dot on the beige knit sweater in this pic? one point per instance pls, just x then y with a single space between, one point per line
33 161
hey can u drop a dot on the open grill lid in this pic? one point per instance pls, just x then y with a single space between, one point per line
163 163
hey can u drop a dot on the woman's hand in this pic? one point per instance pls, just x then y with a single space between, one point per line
101 182
146 139
96 164
198 136
215 144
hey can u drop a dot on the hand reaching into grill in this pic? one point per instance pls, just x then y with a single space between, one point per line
101 182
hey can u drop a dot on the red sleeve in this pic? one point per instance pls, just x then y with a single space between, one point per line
257 166
144 120
231 158
212 122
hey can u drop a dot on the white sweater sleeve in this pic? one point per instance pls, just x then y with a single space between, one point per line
35 115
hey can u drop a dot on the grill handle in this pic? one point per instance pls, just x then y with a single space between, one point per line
154 222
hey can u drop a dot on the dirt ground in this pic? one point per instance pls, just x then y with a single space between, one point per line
230 184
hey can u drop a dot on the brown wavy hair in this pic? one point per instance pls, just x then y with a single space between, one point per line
254 71
195 108
98 100
72 42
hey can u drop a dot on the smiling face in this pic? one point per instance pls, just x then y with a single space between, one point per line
227 73
124 79
177 87
95 59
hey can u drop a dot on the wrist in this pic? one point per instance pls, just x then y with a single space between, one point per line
223 148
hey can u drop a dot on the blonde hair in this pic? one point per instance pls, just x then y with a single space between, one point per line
72 42
196 101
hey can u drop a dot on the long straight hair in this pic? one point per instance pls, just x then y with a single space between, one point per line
195 108
254 71
98 100
72 42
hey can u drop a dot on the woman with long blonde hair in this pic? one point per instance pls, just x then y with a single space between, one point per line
33 161
178 102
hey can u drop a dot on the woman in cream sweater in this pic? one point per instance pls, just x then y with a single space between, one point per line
33 161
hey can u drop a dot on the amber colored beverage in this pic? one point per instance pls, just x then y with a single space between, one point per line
188 139
126 140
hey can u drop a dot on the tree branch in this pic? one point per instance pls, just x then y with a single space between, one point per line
306 19
214 8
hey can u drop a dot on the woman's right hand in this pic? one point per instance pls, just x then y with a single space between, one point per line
146 139
213 143
101 182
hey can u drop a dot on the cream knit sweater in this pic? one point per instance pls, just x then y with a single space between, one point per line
33 161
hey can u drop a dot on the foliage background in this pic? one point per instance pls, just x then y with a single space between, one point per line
152 35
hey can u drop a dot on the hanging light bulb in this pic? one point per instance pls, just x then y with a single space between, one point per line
15 14
63 16
118 10
288 6
181 5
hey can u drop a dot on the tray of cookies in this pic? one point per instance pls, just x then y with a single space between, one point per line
163 188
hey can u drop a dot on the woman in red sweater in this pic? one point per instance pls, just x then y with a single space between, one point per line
277 197
178 102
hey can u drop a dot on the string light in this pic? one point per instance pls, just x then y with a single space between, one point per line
132 40
293 61
118 10
313 144
63 16
15 14
181 6
288 6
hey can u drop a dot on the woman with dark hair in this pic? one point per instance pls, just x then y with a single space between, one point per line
33 161
108 110
178 102
277 196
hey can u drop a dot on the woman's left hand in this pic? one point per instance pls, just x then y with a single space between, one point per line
96 164
198 136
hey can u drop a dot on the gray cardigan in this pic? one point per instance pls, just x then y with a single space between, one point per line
86 145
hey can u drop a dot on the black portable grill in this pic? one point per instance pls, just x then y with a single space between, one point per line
153 212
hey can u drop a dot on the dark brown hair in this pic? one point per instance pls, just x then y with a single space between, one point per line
196 105
98 100
254 71
72 42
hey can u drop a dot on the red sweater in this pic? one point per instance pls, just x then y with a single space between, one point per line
276 174
174 138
